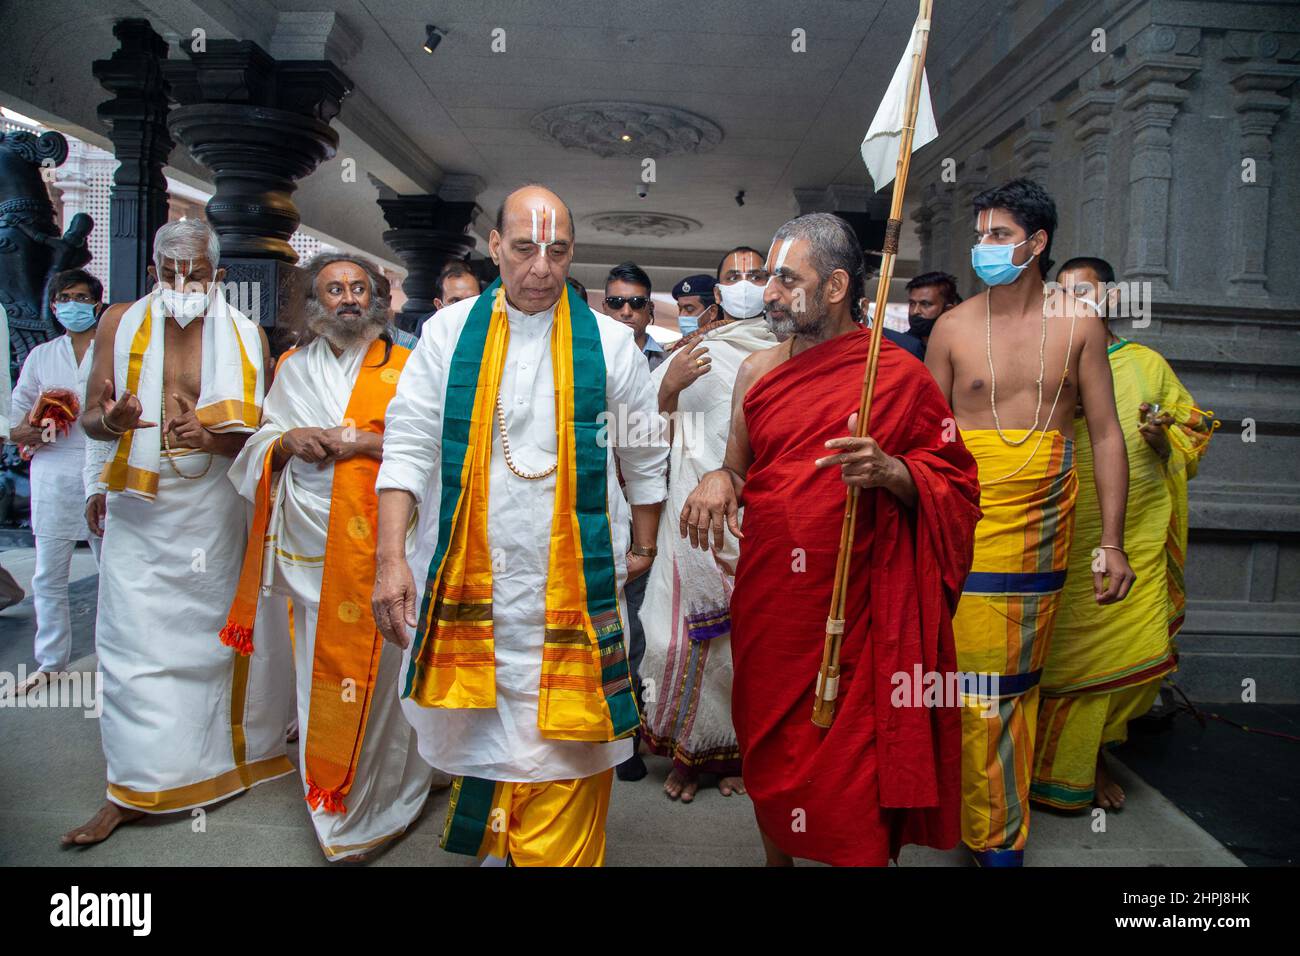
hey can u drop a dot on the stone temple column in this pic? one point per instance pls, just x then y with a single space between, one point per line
427 232
1259 104
260 125
1150 80
1092 111
137 125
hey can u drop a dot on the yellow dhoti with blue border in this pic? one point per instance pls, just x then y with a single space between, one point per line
1003 625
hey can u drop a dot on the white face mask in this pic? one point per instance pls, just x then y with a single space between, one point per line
742 300
185 307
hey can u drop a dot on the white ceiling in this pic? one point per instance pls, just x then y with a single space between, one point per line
789 120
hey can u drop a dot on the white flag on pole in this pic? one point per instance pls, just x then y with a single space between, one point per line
880 147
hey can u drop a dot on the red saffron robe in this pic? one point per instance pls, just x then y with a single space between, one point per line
881 776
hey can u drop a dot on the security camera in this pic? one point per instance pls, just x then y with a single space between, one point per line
642 191
740 198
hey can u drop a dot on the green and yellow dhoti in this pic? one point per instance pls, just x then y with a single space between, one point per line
1003 626
1106 662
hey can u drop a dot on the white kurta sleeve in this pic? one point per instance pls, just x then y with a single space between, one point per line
97 455
25 393
413 424
642 452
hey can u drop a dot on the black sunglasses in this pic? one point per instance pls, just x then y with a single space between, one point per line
616 302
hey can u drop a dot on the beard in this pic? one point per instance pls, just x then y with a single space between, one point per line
347 325
810 322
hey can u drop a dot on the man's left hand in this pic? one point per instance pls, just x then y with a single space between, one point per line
862 462
187 428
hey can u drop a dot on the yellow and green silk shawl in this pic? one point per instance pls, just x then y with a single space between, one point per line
585 691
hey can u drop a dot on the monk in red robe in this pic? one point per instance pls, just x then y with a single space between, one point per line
887 771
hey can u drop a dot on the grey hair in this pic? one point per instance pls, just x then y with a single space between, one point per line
832 245
380 289
186 240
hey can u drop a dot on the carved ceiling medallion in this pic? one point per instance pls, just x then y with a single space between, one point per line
656 224
611 128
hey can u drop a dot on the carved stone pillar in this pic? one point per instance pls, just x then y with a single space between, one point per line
939 254
1093 113
427 232
260 125
923 216
137 125
1150 80
1259 105
1033 147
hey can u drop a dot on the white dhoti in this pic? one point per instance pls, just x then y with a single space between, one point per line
187 721
392 780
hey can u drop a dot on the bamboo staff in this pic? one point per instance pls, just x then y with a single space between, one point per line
828 678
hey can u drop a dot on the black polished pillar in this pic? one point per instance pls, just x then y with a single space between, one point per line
260 125
427 232
31 249
137 125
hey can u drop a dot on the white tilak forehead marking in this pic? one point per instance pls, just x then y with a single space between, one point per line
540 240
781 254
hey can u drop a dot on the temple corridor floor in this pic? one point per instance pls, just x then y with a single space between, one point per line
51 779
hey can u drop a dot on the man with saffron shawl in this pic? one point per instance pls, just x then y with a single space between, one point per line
1106 662
1014 362
505 429
882 775
310 473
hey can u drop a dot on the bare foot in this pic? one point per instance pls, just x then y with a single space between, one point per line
677 786
108 819
729 785
775 856
1106 792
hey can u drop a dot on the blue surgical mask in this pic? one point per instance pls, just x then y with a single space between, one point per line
993 263
687 324
75 316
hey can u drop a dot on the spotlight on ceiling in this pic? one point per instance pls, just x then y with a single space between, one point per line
626 137
433 36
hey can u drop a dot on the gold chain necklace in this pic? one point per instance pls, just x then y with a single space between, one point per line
1042 351
993 378
505 448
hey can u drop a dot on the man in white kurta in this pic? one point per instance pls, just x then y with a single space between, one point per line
177 384
687 668
556 792
58 499
305 426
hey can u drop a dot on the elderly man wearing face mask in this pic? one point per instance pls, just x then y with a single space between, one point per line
46 400
506 430
176 385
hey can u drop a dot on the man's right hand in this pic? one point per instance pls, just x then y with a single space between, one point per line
709 506
123 414
96 508
307 444
393 600
686 366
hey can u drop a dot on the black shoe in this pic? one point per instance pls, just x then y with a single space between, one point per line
633 768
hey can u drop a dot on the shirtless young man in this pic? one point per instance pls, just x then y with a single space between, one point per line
1013 362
